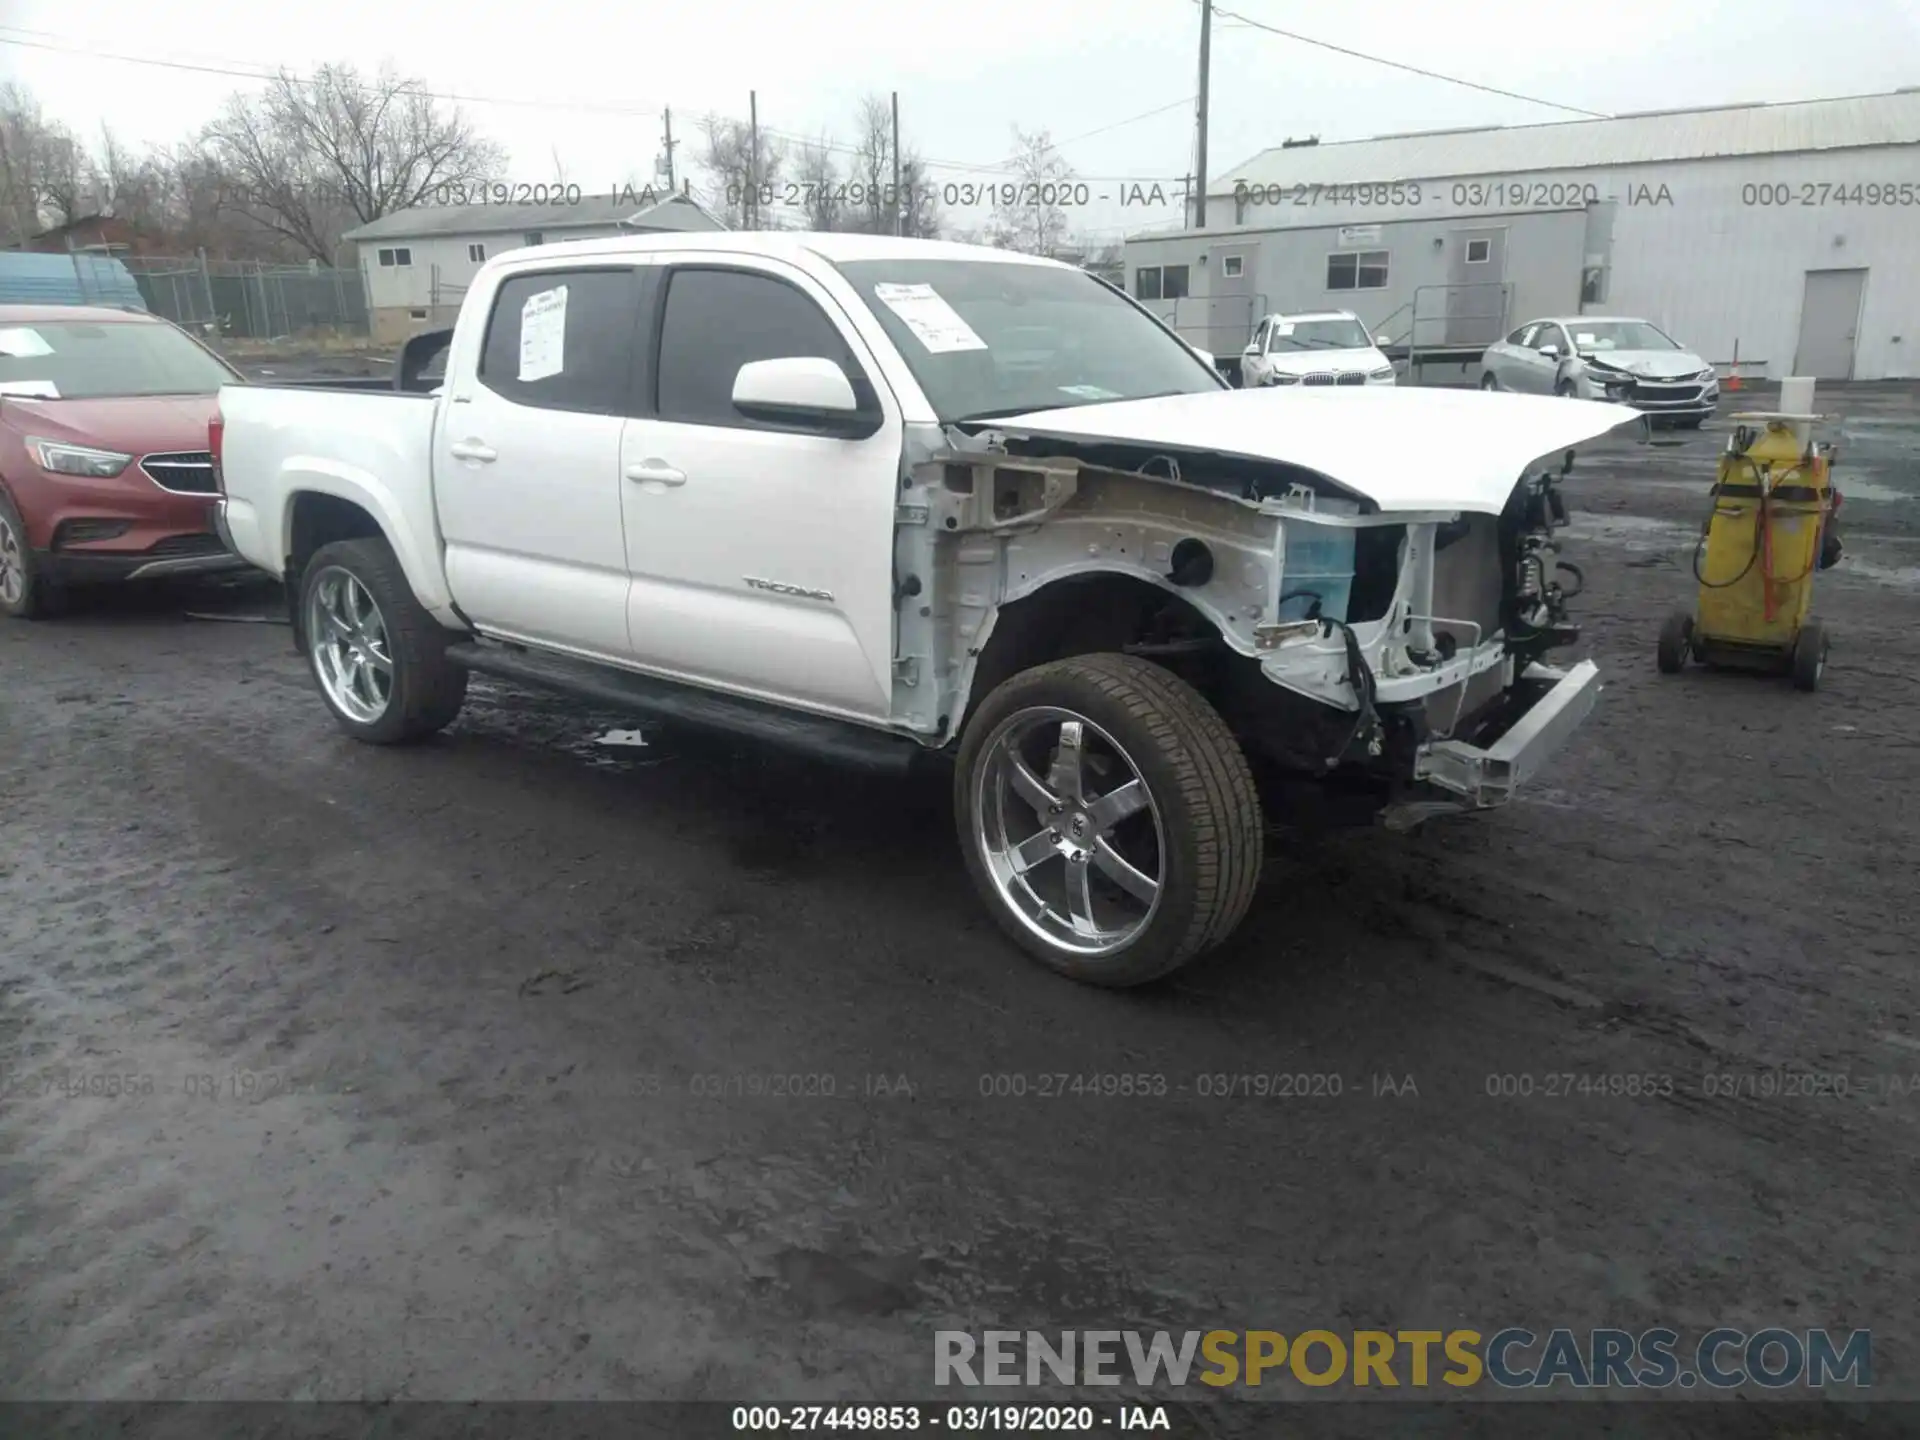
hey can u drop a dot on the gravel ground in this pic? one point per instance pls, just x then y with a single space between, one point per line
422 1041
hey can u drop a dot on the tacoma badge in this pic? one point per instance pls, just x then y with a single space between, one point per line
781 589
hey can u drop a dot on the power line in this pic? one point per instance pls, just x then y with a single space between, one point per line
237 70
1400 65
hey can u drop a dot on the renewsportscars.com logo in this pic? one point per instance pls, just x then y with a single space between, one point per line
1510 1359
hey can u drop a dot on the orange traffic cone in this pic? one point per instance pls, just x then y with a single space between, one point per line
1733 374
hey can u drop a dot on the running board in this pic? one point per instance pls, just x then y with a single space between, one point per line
835 741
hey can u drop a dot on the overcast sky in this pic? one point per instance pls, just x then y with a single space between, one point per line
966 72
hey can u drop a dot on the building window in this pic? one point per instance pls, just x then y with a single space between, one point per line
1173 282
1479 252
1593 285
534 237
1231 267
416 314
1357 270
1146 283
398 258
477 253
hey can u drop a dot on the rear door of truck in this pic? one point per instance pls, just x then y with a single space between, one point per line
526 457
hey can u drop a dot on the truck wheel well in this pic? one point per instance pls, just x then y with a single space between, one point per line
320 520
1086 615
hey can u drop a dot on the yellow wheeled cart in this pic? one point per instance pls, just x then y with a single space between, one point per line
1772 528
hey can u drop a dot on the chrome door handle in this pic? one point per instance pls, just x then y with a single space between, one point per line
472 450
658 471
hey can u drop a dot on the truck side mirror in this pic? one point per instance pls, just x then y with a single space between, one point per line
807 393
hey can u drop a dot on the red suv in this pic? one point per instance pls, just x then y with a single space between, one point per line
104 469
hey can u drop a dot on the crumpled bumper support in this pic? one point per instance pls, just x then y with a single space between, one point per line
1485 776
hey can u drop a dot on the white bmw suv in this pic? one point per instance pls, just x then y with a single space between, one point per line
1320 347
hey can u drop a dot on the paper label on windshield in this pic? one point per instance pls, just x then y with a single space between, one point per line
543 334
23 344
1284 327
1088 392
934 323
30 389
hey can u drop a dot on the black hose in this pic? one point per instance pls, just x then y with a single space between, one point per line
1360 676
1706 532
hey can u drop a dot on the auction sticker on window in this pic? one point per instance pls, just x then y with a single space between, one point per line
934 323
23 345
543 334
30 389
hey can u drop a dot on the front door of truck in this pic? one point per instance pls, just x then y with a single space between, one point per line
760 556
526 460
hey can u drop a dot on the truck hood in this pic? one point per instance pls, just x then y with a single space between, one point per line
133 424
1402 449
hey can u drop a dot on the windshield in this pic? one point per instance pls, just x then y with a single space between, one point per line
1618 335
81 360
990 338
1319 335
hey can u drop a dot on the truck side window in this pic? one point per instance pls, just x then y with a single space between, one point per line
597 341
718 320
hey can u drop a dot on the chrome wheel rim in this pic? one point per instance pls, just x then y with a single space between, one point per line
1068 832
347 638
13 566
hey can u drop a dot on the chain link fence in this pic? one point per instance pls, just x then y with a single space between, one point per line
250 299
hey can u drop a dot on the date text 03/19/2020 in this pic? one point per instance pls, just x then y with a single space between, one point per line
955 194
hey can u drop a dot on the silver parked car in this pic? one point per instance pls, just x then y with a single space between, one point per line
1600 357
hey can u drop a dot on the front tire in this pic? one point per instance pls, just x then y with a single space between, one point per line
27 592
1108 818
379 658
1487 382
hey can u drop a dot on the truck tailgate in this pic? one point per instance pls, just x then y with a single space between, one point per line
371 450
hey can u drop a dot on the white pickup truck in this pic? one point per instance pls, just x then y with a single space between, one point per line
882 499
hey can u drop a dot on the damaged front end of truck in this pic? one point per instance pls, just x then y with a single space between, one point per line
1386 641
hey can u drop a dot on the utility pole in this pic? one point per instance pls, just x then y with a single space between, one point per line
1200 148
753 159
899 210
671 186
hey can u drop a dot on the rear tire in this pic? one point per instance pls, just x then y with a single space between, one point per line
1676 642
379 658
1809 661
27 592
1048 760
1487 382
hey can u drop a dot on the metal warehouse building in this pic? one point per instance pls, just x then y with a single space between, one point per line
1787 232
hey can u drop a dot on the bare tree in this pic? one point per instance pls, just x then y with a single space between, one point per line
920 215
740 185
45 175
872 165
136 188
308 159
823 195
560 175
1033 219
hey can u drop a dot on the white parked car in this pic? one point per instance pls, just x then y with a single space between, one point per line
1602 357
893 502
1324 347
